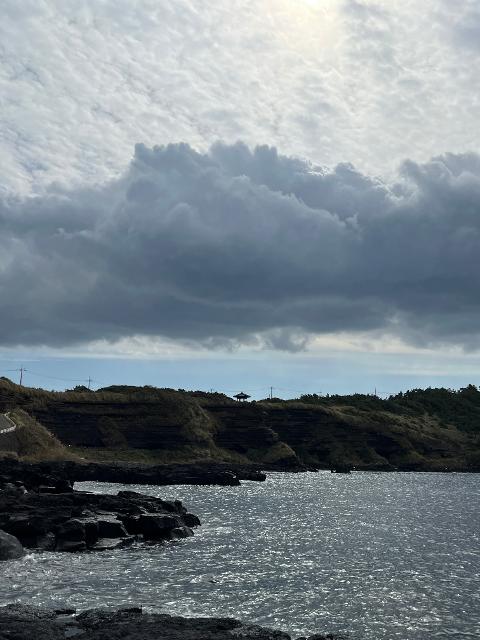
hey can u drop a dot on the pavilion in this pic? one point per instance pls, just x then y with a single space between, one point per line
241 396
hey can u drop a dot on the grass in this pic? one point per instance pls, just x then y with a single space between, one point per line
35 443
420 427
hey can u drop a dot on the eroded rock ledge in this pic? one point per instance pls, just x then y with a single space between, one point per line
130 473
61 519
19 622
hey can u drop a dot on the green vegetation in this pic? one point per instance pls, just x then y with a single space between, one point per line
34 442
460 409
421 429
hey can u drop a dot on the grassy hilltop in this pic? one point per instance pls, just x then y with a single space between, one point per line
429 429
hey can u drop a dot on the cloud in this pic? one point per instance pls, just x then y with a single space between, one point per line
370 81
462 24
239 246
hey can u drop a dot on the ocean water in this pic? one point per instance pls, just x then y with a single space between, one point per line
372 556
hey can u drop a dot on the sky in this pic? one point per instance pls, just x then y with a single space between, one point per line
240 195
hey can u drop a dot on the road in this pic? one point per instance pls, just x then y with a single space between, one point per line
6 425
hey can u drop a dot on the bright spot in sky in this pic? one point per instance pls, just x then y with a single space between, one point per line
305 26
319 4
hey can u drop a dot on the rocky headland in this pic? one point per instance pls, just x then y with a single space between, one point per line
42 511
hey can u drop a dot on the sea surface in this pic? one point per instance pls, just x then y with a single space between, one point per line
372 556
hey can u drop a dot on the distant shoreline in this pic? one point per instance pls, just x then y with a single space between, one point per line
434 430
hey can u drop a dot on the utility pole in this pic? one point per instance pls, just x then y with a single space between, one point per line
21 374
271 393
89 382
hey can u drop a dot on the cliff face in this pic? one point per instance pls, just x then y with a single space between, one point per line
161 420
325 437
167 426
166 423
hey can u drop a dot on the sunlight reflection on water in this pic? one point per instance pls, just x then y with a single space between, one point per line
372 555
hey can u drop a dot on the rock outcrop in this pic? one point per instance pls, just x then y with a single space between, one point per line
20 622
164 474
55 476
10 547
73 521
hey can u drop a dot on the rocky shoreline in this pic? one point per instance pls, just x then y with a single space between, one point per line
130 473
41 511
20 622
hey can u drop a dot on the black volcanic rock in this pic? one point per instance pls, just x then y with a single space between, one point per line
10 547
156 526
20 622
16 477
57 477
80 521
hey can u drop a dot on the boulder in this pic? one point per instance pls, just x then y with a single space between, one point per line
191 520
111 527
132 524
71 536
73 530
10 547
25 525
91 529
180 532
157 527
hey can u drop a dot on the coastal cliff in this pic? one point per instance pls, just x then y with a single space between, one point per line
159 426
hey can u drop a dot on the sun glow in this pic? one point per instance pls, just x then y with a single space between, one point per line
305 25
325 5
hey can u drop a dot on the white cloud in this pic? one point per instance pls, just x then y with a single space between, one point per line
362 81
367 82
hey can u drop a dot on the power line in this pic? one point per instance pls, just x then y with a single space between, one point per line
22 371
44 375
268 391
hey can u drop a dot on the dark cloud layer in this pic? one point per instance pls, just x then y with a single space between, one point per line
233 244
